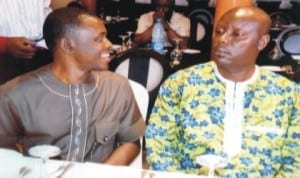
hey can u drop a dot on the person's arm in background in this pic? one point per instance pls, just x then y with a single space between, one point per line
141 39
143 34
178 28
3 44
20 47
90 5
173 35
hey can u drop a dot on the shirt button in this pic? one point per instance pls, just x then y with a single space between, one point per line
105 139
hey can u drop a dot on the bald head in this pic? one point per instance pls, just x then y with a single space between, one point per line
251 13
239 36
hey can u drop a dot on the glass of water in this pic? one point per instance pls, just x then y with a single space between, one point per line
176 54
44 152
212 162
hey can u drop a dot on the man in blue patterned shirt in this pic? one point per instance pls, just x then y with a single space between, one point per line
229 107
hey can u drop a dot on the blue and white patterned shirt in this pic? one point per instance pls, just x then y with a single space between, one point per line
191 117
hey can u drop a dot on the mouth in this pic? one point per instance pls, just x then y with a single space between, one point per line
106 56
222 52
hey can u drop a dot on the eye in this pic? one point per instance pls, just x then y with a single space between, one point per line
99 38
236 34
219 31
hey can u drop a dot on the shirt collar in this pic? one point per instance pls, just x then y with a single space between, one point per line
246 82
47 77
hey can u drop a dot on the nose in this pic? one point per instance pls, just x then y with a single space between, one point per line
107 43
224 38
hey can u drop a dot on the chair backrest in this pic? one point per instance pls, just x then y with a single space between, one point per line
289 41
142 98
201 28
280 19
142 65
286 43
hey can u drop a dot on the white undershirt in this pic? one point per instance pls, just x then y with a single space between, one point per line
234 101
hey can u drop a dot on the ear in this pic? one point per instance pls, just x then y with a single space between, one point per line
263 42
67 44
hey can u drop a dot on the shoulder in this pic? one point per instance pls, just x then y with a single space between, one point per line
21 83
21 87
275 82
180 16
201 69
147 15
272 77
195 73
111 79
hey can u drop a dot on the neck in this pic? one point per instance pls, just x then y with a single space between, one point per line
69 73
238 75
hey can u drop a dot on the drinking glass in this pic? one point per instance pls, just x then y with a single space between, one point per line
212 162
44 152
118 16
101 13
275 53
176 54
129 42
123 48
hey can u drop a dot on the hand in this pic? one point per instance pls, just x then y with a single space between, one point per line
159 14
21 47
166 25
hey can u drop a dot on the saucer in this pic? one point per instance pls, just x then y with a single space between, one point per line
273 68
191 51
44 151
211 161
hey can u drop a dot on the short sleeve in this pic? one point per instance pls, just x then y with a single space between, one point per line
145 21
8 125
181 24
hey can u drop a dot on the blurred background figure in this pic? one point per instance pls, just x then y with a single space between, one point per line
22 47
176 25
89 5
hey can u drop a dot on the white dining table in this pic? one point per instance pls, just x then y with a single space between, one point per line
13 164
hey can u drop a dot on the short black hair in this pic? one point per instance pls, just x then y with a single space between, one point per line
60 23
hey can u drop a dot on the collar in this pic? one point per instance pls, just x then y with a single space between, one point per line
254 76
47 77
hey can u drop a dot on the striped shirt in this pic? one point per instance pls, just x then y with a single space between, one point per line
23 17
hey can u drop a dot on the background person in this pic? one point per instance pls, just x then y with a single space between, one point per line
74 102
22 47
228 107
176 25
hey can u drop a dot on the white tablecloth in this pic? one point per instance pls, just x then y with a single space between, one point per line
12 162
